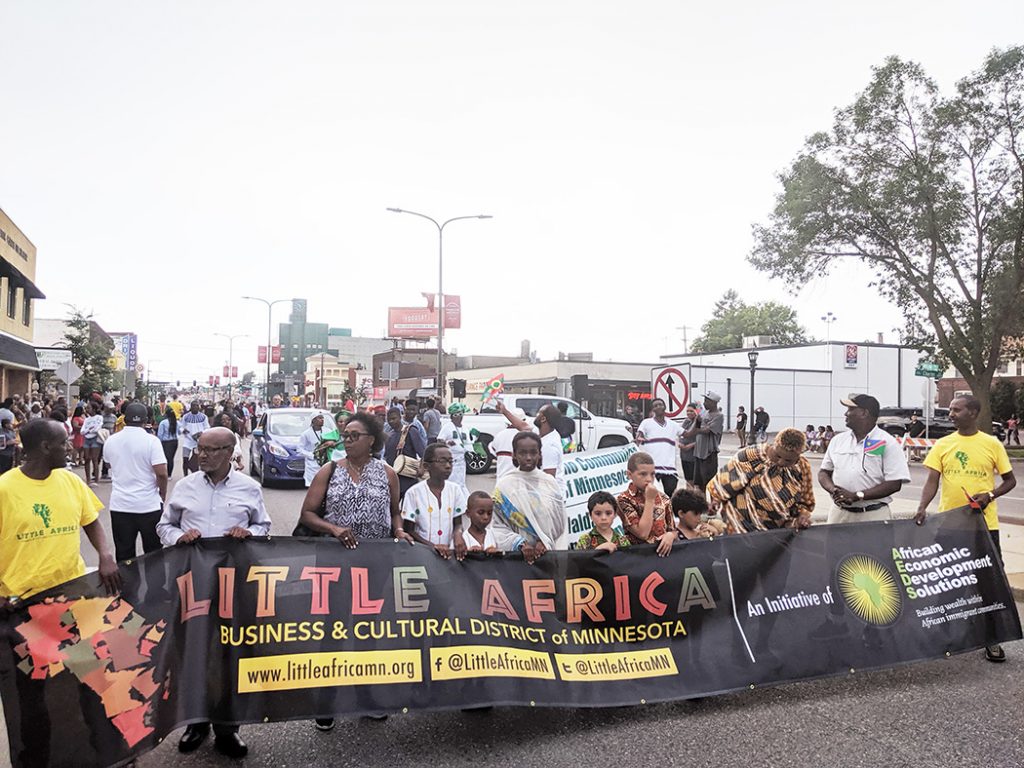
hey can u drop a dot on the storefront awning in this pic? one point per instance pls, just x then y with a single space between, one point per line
17 353
13 274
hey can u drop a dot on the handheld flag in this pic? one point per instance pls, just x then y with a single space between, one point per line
970 500
492 389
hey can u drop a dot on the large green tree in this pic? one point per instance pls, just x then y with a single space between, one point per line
90 355
928 192
733 319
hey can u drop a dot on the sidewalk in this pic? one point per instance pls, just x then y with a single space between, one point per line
1011 526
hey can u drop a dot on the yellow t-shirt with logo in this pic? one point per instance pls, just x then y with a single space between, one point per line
39 524
968 463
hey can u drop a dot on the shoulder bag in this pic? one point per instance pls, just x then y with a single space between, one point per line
321 512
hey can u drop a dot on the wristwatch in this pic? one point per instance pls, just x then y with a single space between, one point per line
860 495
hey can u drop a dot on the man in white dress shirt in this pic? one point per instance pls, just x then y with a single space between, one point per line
215 501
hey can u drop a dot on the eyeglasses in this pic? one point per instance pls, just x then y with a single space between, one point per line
204 449
441 461
351 437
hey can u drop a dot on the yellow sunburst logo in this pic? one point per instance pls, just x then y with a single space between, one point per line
870 590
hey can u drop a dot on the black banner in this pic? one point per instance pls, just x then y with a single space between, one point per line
280 629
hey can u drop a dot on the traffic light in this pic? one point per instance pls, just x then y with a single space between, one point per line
178 384
194 384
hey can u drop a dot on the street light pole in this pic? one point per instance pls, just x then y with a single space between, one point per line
439 381
231 343
751 433
149 378
270 304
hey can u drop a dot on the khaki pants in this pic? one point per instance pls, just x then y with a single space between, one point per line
840 515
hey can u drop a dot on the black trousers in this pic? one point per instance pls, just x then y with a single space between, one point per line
705 471
170 448
669 481
128 526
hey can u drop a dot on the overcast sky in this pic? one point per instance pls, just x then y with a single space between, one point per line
167 158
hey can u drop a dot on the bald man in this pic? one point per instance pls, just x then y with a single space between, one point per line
215 501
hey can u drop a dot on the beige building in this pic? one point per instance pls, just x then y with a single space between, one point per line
18 361
326 377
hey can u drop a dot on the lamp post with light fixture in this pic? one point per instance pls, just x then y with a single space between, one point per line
752 434
439 381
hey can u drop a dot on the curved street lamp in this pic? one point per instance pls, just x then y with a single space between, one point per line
439 381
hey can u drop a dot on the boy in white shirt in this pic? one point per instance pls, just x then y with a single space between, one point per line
433 508
479 510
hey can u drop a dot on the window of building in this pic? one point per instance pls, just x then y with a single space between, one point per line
1004 367
26 311
12 299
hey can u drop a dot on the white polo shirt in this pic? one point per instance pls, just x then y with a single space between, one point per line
660 441
857 465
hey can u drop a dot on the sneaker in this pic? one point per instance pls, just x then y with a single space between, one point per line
324 723
995 653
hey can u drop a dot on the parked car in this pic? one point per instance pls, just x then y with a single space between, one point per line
896 421
592 432
272 453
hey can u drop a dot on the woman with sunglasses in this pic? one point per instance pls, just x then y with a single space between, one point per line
355 497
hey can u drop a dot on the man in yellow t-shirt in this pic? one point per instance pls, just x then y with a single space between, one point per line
42 509
967 462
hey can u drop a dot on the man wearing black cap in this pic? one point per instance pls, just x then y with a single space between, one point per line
138 470
863 467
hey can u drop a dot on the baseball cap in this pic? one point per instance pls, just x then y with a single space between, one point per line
713 396
867 402
136 413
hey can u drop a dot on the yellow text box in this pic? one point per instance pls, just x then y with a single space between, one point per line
586 667
321 670
462 661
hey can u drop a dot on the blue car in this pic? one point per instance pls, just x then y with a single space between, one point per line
272 454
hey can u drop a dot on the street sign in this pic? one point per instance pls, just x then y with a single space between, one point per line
929 370
673 386
68 372
140 368
50 359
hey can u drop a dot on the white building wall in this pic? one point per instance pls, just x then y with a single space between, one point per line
802 385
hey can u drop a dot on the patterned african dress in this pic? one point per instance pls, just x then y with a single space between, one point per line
757 495
365 507
592 540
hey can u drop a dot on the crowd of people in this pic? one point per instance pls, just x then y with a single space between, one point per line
401 474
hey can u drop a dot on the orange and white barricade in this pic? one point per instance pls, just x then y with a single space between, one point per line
915 447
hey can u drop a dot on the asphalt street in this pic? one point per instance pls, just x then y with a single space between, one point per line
958 712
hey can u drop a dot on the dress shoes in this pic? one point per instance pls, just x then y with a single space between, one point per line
230 745
194 736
